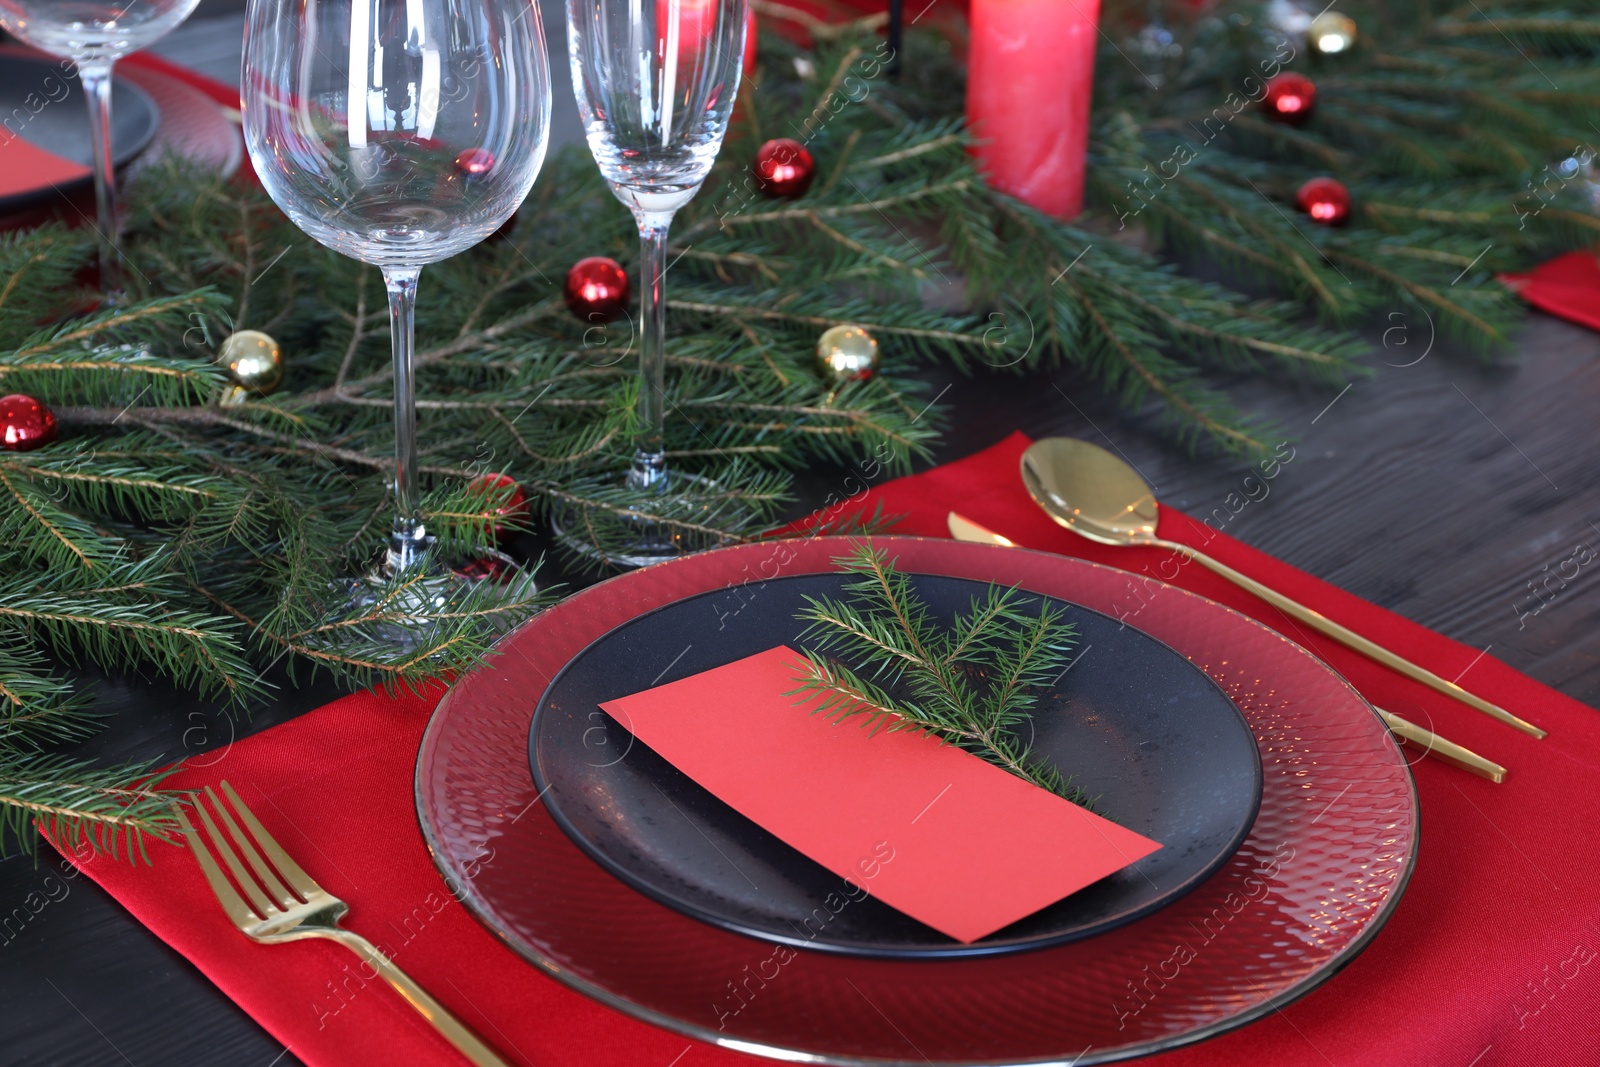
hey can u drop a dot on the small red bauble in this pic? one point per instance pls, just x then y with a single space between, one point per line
492 487
475 161
493 568
784 168
1327 201
25 424
1290 98
597 289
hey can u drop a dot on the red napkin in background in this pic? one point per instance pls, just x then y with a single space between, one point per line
225 95
24 165
1567 286
925 827
1492 959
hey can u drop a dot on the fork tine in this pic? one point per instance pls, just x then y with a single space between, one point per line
298 880
269 879
258 900
232 903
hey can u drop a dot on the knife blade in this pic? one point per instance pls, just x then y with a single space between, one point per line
964 529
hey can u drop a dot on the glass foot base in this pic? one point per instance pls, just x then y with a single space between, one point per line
405 614
632 542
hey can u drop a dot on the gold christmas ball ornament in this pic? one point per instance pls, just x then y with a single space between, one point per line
847 354
254 362
1331 33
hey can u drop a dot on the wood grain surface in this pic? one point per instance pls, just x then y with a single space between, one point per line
1439 487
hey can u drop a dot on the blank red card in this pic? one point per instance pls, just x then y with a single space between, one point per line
949 839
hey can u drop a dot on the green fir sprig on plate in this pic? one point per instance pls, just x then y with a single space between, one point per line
882 658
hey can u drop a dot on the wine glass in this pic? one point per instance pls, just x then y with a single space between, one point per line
398 133
655 82
94 34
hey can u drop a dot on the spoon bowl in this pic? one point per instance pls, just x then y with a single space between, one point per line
1090 491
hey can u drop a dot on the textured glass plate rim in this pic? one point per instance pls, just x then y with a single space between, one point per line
483 911
863 951
131 146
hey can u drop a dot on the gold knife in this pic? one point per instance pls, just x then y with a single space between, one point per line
964 529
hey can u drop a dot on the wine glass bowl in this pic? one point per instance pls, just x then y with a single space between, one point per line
397 133
92 30
655 83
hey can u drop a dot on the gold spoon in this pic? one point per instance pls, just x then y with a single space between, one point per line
1097 495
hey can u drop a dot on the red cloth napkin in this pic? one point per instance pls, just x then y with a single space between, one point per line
1493 957
24 165
225 95
1567 286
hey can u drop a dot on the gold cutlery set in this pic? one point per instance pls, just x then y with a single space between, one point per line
1101 497
1081 486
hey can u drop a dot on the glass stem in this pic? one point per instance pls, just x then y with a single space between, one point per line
409 539
649 470
95 77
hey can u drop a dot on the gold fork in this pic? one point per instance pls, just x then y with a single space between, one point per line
286 904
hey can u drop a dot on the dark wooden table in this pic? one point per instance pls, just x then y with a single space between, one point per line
1442 490
1439 487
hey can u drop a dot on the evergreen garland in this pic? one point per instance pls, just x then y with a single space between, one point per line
880 659
170 534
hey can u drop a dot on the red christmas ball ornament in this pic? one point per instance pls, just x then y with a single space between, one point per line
496 567
25 424
597 289
493 487
784 168
475 161
1290 97
1327 201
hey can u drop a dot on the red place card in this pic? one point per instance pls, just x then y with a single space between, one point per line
949 839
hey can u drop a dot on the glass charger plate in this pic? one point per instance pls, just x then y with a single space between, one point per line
1323 867
1136 725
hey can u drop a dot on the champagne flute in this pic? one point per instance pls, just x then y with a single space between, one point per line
398 133
94 34
655 82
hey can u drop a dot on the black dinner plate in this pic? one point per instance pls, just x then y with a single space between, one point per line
1166 751
43 103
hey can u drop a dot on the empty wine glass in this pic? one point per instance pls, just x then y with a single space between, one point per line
94 34
655 82
399 133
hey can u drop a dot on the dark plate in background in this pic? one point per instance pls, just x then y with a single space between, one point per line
56 118
1167 752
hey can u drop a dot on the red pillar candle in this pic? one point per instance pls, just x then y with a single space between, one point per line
1030 77
697 21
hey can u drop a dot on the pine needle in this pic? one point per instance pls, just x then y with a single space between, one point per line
880 659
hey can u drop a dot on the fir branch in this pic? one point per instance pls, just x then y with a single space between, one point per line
79 806
38 706
881 659
125 617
